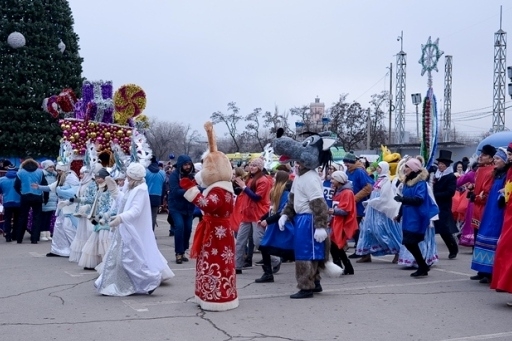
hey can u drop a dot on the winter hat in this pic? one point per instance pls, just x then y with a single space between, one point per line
509 148
47 163
258 162
488 150
385 167
340 176
349 158
414 164
102 173
62 167
83 170
502 154
136 171
198 166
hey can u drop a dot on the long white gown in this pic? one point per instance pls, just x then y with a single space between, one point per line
64 230
133 264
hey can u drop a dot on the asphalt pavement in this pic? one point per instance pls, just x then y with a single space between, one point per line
52 299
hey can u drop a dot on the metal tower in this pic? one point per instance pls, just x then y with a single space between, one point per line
500 59
447 116
400 92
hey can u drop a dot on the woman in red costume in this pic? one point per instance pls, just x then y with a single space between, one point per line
502 269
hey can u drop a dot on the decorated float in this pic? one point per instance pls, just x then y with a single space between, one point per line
101 116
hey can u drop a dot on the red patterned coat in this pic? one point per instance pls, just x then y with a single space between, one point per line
214 248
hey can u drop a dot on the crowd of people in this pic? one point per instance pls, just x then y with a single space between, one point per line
107 224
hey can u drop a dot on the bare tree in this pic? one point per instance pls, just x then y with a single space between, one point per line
230 120
163 137
254 127
378 133
171 137
348 121
304 115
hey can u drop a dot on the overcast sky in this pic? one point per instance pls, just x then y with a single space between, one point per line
193 57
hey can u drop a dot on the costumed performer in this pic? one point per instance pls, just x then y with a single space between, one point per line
66 223
416 212
502 270
84 199
308 210
104 206
492 221
428 246
133 264
343 221
379 233
214 243
276 242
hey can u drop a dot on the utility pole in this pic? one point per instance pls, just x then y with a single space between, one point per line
368 129
390 99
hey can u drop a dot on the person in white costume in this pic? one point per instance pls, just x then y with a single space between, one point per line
133 264
64 230
84 199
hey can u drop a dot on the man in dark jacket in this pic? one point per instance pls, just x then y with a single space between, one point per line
445 185
29 174
180 209
155 179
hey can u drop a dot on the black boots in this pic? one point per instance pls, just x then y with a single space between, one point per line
303 294
318 287
421 272
308 293
267 277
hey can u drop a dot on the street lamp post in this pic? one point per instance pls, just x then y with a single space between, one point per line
416 100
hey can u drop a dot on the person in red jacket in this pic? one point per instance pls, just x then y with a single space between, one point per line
344 219
254 203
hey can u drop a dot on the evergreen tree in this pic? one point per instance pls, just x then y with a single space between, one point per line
33 72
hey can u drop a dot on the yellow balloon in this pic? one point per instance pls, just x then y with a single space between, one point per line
119 133
107 135
128 133
72 139
93 135
76 135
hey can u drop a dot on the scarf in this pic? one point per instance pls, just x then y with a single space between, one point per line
447 171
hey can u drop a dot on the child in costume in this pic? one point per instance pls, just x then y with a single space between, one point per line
214 243
344 222
308 210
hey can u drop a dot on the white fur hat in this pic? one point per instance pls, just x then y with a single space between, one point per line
340 176
136 171
62 167
47 163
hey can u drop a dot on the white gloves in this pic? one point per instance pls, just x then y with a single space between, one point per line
320 234
115 222
282 221
63 203
365 203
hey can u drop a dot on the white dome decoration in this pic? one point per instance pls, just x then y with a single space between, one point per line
61 46
16 40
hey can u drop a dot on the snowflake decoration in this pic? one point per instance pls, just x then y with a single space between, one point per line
228 256
214 198
215 252
202 202
227 197
430 54
220 232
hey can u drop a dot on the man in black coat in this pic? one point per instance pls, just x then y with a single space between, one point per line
445 185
